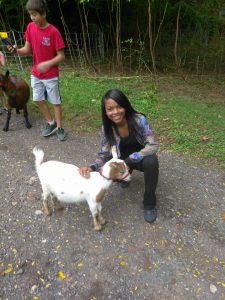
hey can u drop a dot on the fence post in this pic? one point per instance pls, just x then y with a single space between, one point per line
17 56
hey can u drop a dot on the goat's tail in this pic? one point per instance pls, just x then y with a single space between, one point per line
39 156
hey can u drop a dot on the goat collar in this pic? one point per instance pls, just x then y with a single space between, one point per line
100 172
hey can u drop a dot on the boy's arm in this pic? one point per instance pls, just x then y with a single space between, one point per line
44 66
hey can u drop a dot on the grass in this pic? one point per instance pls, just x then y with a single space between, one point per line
193 126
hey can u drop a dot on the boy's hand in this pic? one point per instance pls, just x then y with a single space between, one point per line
12 49
85 172
43 67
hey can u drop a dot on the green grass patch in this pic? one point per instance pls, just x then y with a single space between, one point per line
182 124
194 127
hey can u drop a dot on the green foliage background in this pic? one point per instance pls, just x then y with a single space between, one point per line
200 40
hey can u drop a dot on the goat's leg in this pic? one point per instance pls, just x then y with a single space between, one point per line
6 127
101 219
57 204
46 207
25 113
97 225
94 212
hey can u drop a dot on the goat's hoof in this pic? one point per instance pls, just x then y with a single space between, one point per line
97 228
5 129
58 206
59 209
48 212
102 221
28 125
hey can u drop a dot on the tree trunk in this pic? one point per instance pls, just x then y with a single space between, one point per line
177 62
88 37
111 34
118 33
160 26
84 40
150 36
67 36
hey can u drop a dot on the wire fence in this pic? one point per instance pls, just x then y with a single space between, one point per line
74 51
197 59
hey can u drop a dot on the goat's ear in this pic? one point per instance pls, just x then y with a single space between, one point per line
7 74
113 165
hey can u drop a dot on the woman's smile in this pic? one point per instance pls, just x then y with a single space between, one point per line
114 112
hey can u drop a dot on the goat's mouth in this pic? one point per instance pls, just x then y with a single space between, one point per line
125 177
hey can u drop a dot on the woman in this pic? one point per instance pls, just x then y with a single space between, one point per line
126 134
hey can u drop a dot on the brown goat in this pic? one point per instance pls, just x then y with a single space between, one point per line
18 93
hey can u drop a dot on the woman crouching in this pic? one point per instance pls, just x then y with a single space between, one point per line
126 134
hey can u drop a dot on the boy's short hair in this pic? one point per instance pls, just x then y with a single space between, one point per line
38 5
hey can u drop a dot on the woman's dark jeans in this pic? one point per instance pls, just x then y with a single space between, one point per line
150 166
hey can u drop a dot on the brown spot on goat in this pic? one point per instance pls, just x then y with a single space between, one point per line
18 93
117 170
100 195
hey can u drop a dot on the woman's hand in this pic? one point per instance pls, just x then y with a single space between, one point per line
85 172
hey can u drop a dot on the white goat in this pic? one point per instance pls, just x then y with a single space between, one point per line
63 183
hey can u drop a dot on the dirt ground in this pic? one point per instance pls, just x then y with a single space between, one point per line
180 256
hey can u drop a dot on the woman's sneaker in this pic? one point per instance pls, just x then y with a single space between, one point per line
150 215
61 134
124 184
49 129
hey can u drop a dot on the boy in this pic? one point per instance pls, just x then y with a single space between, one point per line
44 42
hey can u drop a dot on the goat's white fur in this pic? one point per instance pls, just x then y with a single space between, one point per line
63 183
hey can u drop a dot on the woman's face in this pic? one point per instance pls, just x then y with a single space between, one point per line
114 112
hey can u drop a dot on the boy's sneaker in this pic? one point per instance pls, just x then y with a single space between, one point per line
61 134
49 129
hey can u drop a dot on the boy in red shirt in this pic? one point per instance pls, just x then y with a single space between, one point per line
44 42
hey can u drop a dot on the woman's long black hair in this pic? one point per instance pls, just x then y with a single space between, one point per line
130 112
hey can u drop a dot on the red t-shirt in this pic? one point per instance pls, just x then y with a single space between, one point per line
45 43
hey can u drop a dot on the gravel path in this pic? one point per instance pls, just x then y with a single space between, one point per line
180 256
